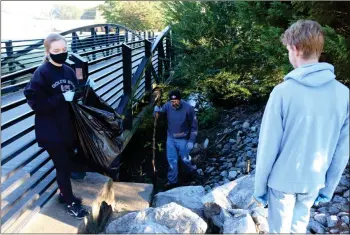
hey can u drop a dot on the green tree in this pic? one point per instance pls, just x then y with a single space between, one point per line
135 15
232 51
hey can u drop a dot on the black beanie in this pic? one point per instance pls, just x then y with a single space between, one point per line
175 95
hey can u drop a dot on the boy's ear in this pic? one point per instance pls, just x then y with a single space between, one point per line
298 52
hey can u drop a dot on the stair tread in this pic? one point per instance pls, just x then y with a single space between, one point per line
53 217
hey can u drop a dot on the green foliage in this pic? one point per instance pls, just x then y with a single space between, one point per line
232 52
208 117
133 14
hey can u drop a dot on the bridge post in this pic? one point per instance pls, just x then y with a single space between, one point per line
161 57
93 37
127 76
117 36
9 53
139 37
133 39
126 38
167 55
81 67
148 73
172 55
107 38
75 41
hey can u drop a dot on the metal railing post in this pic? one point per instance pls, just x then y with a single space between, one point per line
9 53
148 73
127 76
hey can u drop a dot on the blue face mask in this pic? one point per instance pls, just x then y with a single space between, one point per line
59 58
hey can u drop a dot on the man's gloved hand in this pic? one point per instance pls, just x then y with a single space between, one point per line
261 199
91 83
68 95
189 145
321 199
156 109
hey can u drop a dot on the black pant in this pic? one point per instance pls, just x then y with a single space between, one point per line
62 158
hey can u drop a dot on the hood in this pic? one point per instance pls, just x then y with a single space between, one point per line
312 74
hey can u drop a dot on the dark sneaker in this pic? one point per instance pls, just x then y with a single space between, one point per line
79 176
77 200
77 211
168 186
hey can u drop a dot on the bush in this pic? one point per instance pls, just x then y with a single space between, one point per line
232 52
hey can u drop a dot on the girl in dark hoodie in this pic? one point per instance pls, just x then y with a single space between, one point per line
48 94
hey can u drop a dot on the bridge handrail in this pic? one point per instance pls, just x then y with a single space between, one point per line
126 100
29 178
12 55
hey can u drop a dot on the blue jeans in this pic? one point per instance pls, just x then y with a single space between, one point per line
289 212
176 148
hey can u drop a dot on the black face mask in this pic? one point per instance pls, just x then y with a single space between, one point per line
59 58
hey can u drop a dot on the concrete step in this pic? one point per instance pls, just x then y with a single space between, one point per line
98 198
106 200
130 197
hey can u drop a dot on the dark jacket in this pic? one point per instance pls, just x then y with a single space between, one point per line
54 125
182 122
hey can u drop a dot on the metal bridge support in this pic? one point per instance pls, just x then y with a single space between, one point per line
127 73
148 73
9 53
161 58
167 55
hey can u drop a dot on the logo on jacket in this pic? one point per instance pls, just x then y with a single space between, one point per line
65 88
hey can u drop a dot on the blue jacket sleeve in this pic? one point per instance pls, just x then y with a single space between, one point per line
38 98
194 125
163 109
339 160
270 137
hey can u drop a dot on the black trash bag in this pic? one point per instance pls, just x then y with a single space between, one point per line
99 129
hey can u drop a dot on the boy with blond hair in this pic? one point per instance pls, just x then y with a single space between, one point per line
304 136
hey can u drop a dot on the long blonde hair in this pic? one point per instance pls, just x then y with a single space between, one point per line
53 37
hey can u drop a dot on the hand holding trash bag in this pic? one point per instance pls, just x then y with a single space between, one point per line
99 128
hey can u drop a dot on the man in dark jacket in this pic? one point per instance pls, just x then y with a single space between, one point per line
182 133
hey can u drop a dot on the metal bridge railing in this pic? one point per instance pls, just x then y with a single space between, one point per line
124 74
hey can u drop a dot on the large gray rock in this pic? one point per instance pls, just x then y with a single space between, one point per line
341 206
170 218
321 218
187 196
224 174
323 210
232 175
333 210
259 216
241 196
340 189
246 125
345 219
239 224
237 194
339 199
334 231
316 227
332 220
